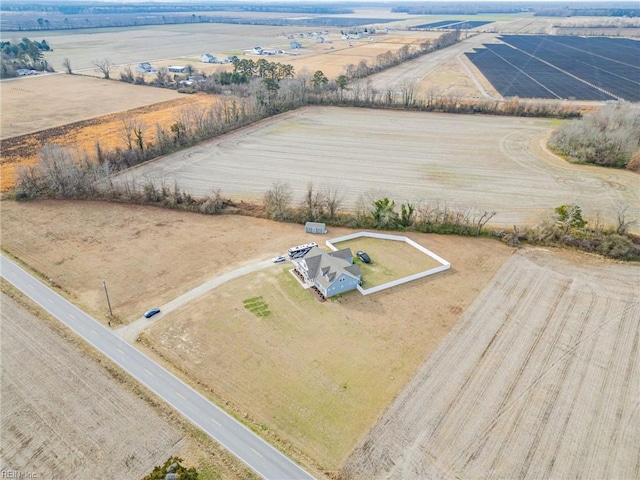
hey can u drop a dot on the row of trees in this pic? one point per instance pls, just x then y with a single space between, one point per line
325 204
609 137
26 54
272 73
262 69
280 91
62 173
566 226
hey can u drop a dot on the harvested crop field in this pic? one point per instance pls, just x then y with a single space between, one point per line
439 72
63 416
109 130
149 43
469 162
538 380
332 58
64 99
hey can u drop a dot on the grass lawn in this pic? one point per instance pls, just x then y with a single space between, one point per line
390 260
316 373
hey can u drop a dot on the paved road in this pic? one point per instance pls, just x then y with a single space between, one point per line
130 332
235 437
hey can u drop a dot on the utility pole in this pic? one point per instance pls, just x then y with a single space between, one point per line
104 285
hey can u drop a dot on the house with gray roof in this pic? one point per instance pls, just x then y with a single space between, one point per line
331 273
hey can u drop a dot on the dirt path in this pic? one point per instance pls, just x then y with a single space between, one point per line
538 380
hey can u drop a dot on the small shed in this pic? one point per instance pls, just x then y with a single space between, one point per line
315 227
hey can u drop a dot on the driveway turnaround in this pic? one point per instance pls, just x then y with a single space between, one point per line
257 454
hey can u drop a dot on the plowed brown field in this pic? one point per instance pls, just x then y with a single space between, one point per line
468 161
64 416
538 380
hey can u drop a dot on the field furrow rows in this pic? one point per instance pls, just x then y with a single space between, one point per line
62 414
496 164
535 382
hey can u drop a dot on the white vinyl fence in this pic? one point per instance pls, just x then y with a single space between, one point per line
444 265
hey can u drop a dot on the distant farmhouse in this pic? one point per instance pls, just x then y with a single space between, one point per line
329 273
146 67
208 58
26 71
295 45
262 51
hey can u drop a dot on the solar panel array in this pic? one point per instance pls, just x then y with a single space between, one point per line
452 25
562 67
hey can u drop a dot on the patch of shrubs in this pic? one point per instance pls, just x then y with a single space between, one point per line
172 469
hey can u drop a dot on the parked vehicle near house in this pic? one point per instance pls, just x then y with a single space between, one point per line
301 250
363 256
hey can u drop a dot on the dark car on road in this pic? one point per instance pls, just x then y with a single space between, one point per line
363 256
151 313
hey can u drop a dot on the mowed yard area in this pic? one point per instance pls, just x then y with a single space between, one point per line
462 161
317 375
390 259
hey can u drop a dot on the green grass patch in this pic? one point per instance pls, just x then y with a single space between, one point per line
257 306
390 260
